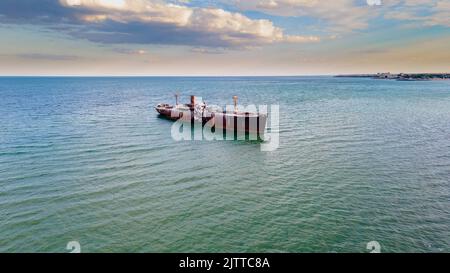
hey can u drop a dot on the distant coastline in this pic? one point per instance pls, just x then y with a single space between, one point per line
402 76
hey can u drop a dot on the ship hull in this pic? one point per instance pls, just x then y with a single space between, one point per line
248 123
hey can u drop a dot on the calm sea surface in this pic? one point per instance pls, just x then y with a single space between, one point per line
360 160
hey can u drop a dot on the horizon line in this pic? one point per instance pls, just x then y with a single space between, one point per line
165 76
207 76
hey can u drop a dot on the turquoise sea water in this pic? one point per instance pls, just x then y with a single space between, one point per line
360 160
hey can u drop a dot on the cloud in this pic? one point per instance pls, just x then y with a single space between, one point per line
148 22
441 15
202 50
340 16
422 12
131 51
49 57
337 15
301 39
32 11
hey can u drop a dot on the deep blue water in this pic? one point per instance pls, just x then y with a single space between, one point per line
360 160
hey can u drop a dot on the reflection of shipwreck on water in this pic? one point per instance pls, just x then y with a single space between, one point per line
233 121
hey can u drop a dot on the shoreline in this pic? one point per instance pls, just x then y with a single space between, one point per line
402 76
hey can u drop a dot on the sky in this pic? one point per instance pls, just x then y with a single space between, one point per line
223 38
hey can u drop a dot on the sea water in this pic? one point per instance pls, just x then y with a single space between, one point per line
89 160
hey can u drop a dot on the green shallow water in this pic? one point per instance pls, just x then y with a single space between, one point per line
360 160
